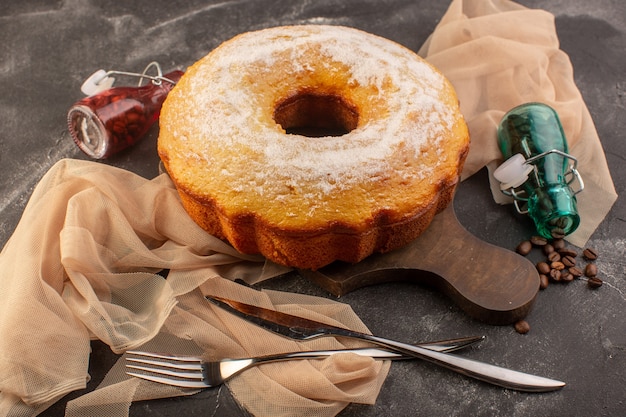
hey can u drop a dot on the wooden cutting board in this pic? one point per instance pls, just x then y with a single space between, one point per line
491 284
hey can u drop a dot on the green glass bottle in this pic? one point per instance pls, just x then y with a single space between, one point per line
541 177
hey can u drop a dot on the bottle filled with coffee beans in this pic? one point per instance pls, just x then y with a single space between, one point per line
538 172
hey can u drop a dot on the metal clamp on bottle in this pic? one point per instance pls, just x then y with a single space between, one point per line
538 171
111 119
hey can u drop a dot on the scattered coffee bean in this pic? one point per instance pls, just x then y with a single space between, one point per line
568 261
543 268
590 254
544 281
522 327
557 265
594 282
548 249
591 270
568 252
560 265
558 244
524 247
538 240
576 271
554 257
555 274
566 276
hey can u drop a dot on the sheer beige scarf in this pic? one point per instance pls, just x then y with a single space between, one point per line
83 261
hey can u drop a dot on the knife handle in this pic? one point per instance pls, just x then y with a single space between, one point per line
493 374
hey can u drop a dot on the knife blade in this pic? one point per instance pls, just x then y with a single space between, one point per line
300 328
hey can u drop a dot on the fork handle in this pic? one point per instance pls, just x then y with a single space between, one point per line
232 367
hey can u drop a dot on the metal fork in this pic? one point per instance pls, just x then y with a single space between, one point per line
194 372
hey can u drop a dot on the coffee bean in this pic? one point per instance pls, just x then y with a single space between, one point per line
543 268
590 254
522 327
554 257
568 252
538 240
566 276
576 271
560 266
557 265
558 244
557 233
544 281
594 282
524 248
548 249
555 274
568 261
591 270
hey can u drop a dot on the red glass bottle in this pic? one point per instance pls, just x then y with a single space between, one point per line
108 122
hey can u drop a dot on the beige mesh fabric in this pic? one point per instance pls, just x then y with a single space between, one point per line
314 388
499 54
82 264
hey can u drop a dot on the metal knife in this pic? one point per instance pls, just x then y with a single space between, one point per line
301 328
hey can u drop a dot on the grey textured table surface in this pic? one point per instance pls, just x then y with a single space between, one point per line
577 335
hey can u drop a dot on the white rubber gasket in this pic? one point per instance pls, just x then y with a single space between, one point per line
97 82
513 172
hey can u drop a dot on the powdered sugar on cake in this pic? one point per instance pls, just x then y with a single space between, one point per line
221 111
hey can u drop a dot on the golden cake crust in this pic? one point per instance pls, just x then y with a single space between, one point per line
308 201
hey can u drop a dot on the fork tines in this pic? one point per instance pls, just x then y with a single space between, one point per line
185 372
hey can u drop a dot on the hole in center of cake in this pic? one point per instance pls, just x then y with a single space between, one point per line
316 115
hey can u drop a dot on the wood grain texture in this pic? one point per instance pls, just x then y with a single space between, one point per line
489 283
